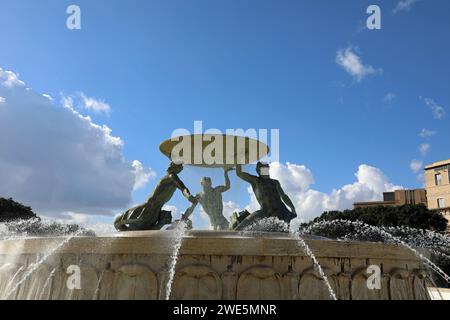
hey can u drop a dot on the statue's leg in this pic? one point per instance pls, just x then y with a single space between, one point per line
237 218
120 224
139 218
165 218
223 224
251 219
286 215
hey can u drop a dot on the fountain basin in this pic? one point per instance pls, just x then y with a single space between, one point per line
211 265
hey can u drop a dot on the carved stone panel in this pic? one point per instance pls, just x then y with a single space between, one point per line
260 283
420 285
88 285
400 285
196 282
361 291
313 287
135 282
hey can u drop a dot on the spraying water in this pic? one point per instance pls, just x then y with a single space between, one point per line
97 289
274 224
179 231
35 266
271 224
369 231
15 276
46 284
301 242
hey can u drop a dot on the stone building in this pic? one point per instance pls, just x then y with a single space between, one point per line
437 181
397 198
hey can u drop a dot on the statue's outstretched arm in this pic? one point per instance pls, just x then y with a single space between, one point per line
227 185
244 175
180 185
190 210
285 198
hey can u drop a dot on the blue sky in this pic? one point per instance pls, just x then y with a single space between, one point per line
161 65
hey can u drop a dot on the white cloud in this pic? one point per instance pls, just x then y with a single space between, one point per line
229 207
95 105
142 175
416 166
353 64
2 99
9 79
67 102
438 110
425 133
93 223
424 148
80 101
297 180
49 97
57 160
404 5
389 97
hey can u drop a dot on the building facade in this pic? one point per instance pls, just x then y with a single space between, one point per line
397 198
437 181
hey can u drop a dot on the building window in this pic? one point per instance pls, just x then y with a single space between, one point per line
441 203
438 179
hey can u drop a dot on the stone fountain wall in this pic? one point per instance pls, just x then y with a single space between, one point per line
222 266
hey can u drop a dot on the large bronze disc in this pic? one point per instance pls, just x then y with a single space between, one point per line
214 150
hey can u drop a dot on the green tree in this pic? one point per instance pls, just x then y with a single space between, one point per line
412 216
11 210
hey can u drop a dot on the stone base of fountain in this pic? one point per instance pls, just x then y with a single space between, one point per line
211 265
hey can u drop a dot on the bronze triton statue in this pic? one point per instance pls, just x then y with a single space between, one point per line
211 201
150 216
270 196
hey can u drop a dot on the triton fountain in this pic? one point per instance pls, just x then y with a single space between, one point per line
258 258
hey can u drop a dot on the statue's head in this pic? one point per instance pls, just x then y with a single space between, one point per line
206 183
175 168
263 169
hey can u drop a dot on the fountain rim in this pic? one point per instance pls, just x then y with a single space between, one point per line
227 243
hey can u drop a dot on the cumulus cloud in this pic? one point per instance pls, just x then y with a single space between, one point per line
9 79
2 99
404 5
353 64
437 110
57 160
95 105
141 175
416 166
424 148
49 97
297 180
86 221
229 207
81 101
425 133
